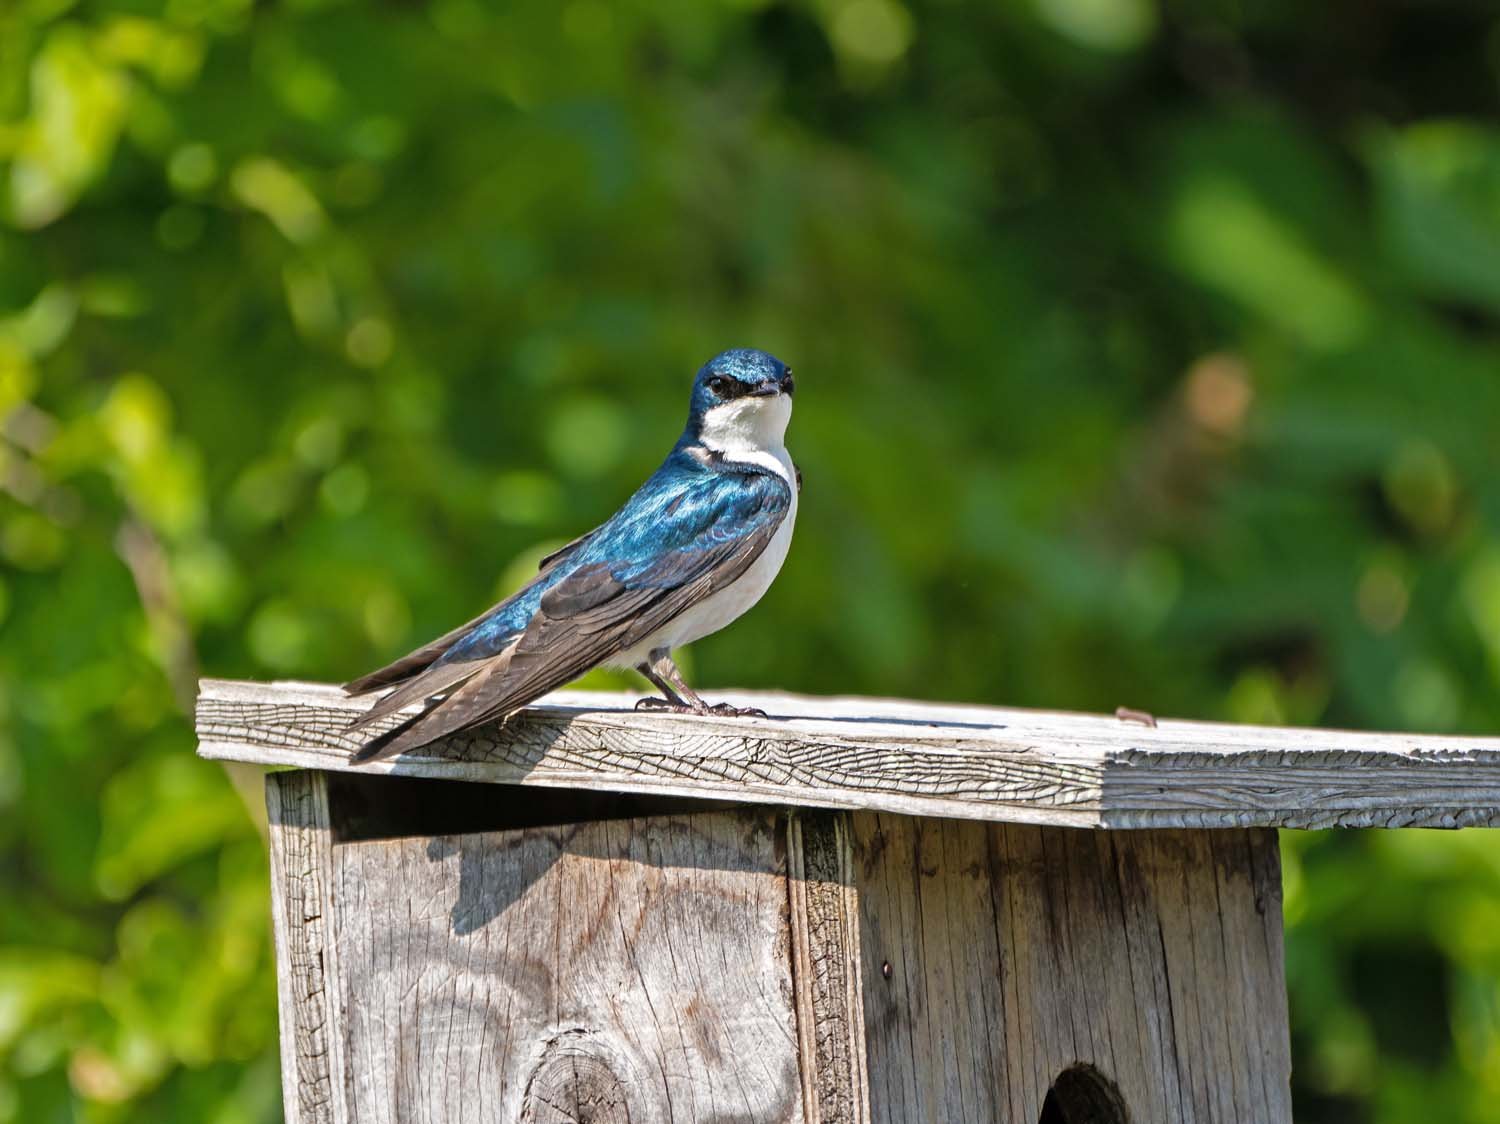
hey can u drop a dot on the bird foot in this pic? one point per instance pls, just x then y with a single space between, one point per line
727 711
665 706
721 710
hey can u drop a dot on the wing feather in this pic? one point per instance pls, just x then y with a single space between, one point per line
556 650
564 552
582 590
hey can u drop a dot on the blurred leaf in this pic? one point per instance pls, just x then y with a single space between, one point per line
158 813
1438 190
77 111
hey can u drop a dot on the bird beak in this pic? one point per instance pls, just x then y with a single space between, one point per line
767 389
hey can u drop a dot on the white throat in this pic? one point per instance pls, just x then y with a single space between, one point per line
751 430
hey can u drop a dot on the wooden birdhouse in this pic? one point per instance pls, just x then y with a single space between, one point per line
856 910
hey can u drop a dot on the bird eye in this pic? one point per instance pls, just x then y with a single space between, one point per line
719 384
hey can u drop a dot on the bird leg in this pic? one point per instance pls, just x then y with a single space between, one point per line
672 700
680 698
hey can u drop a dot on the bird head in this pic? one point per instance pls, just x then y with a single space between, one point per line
742 398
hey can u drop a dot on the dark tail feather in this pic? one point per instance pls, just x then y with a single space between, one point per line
462 708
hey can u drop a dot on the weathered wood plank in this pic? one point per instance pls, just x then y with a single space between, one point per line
1016 953
826 968
627 970
918 759
306 955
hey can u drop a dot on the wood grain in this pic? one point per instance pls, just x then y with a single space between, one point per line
826 968
1017 953
744 965
306 954
627 970
914 758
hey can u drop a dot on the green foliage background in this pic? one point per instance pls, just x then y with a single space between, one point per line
1146 354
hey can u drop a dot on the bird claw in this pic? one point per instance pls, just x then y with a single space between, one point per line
728 711
1138 717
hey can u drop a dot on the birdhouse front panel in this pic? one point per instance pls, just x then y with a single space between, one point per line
764 964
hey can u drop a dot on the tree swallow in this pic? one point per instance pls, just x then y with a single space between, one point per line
696 546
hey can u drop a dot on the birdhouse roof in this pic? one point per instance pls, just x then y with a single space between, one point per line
915 758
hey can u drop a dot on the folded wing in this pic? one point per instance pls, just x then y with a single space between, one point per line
666 551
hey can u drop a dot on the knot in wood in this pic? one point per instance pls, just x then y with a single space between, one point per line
575 1082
